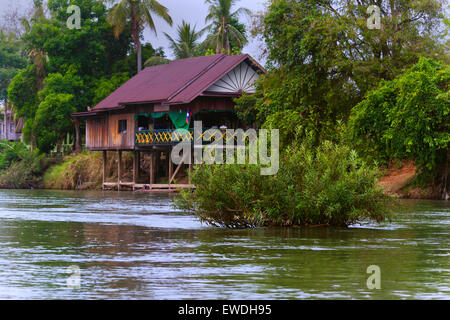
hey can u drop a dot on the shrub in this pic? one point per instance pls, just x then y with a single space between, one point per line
20 167
327 185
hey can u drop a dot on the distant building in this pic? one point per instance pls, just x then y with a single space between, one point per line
11 129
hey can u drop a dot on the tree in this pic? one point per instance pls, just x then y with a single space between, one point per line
11 61
223 30
22 93
323 58
407 118
138 14
10 20
60 98
35 54
53 120
77 63
108 85
186 44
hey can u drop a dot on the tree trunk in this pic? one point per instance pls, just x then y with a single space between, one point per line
77 136
139 56
135 32
59 146
6 120
227 39
445 195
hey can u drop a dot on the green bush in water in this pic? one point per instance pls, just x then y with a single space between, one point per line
327 185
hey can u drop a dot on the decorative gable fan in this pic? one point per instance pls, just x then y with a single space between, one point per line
241 78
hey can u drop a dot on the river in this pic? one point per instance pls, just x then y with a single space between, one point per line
136 246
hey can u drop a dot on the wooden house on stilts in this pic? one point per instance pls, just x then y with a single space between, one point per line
142 115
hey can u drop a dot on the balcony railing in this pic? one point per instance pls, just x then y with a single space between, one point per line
164 137
173 136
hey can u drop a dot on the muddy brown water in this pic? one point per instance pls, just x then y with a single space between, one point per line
136 246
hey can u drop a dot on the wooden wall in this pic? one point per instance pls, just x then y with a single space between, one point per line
102 133
96 133
212 103
121 140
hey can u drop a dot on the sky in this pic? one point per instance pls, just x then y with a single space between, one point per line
193 11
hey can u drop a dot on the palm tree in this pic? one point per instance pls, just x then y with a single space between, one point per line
223 31
36 55
156 61
138 14
186 45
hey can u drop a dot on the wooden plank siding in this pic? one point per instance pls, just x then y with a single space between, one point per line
116 140
102 133
96 133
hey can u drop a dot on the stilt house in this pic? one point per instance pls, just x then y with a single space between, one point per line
142 114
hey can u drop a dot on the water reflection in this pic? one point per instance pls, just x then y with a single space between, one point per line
136 246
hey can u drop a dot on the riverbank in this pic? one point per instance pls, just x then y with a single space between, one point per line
399 180
84 172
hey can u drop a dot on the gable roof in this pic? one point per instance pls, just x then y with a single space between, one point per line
178 82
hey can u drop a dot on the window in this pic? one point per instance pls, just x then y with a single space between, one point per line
122 126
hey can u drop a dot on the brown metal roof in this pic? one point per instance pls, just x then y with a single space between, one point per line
180 81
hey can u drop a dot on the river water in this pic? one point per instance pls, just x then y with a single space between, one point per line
136 246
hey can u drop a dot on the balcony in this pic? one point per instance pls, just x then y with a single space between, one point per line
172 136
163 137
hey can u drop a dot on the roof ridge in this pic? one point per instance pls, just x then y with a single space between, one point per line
243 57
202 72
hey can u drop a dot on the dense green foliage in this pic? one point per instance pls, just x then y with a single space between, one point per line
408 118
23 92
323 58
11 61
20 167
81 67
327 185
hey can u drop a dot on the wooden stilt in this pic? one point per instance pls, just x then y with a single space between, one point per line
77 136
156 158
169 158
105 159
138 162
134 169
178 168
190 170
119 171
152 172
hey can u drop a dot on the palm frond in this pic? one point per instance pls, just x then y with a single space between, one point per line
156 61
160 10
118 17
241 12
237 36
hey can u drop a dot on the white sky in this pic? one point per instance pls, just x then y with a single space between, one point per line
193 11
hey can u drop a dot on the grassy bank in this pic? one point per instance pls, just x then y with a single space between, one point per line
23 168
77 172
84 171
